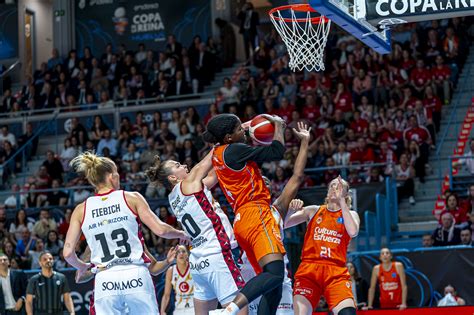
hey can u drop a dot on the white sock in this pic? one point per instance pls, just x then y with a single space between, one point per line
232 309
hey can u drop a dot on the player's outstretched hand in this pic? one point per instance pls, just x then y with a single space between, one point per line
296 205
340 194
171 256
303 132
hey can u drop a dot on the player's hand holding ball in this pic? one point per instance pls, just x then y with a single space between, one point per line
262 128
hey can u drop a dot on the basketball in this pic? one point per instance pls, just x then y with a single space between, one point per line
261 130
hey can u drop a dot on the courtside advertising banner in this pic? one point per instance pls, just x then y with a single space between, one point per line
401 11
99 22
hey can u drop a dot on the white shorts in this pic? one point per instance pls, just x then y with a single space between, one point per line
189 311
125 290
216 277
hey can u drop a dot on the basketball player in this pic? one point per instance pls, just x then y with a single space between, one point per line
179 277
279 209
110 222
323 268
255 228
155 268
392 282
216 276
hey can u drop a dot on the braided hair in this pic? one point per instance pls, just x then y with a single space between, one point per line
219 126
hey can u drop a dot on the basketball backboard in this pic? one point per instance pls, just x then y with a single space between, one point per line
350 15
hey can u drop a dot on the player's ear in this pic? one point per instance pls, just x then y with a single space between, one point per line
172 178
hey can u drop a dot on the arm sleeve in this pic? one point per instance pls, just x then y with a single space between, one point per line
237 154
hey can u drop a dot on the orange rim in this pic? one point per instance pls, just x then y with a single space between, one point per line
297 8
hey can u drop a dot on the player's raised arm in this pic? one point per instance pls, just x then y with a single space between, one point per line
149 218
291 188
351 218
298 214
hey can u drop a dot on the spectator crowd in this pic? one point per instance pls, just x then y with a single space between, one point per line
365 109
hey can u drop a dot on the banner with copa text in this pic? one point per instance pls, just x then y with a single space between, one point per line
99 22
402 11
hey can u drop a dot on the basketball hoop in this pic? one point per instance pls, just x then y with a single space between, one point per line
305 36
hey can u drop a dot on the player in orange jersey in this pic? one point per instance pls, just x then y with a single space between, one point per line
323 268
392 282
255 228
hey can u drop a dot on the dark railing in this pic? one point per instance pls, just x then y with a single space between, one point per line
17 63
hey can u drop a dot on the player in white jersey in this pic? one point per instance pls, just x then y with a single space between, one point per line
216 276
110 222
280 209
180 279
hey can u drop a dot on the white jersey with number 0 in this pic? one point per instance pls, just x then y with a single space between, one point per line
204 221
112 231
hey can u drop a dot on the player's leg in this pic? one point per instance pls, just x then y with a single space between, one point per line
271 299
302 305
205 298
286 303
308 288
345 307
338 291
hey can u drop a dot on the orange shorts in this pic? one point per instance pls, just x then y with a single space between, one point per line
313 280
257 232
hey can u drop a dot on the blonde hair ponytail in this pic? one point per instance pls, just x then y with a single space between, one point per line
95 168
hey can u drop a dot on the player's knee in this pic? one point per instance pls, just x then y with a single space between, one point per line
347 311
276 269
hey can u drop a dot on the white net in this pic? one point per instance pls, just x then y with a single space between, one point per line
304 39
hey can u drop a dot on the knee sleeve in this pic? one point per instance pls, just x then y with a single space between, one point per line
276 268
347 311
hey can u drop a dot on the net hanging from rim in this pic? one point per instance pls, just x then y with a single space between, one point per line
304 36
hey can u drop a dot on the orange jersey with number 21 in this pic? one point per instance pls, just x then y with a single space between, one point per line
326 239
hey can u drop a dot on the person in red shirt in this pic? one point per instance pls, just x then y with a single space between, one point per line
441 74
343 100
311 111
459 213
416 133
323 269
393 137
362 154
397 78
433 104
408 99
420 78
269 109
285 110
359 125
392 283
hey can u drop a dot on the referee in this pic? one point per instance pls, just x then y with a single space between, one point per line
46 288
